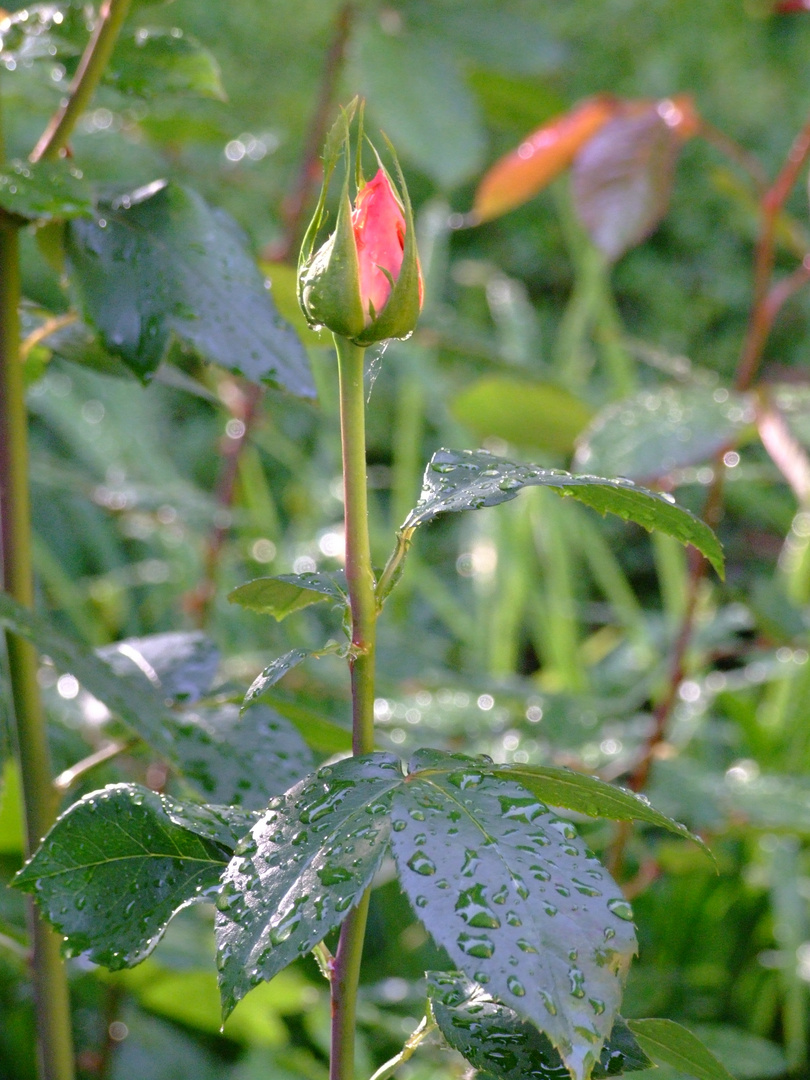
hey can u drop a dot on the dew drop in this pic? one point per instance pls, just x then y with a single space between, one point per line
577 983
476 945
621 909
421 864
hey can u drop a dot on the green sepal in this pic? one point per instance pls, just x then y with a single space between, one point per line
330 282
399 316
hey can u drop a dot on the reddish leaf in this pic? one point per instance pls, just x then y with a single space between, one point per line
622 179
542 156
791 7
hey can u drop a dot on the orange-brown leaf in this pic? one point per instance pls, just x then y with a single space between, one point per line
542 156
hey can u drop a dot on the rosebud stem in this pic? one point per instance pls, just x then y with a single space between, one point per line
360 578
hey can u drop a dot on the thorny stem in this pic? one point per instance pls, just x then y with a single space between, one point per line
294 210
362 602
767 302
92 66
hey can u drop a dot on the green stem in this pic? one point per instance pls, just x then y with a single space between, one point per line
345 980
92 66
362 601
409 1049
359 574
39 796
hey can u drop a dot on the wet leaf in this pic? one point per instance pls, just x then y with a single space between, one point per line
668 1043
305 864
180 665
121 862
516 899
47 191
588 795
273 672
239 757
188 274
647 436
622 178
45 31
458 480
133 699
492 1036
281 596
151 62
522 413
543 155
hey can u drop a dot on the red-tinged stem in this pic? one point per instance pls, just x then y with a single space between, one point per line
773 201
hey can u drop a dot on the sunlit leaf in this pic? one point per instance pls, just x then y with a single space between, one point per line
543 155
516 899
305 864
281 596
47 31
522 413
121 862
189 274
668 1043
492 1036
457 480
588 795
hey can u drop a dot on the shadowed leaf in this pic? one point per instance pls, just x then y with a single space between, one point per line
188 274
152 62
121 862
492 1036
647 436
622 180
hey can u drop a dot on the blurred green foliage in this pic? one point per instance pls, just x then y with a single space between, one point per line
536 632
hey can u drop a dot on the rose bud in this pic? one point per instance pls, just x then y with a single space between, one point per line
364 281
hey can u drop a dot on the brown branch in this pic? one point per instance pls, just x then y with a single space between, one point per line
762 312
768 301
